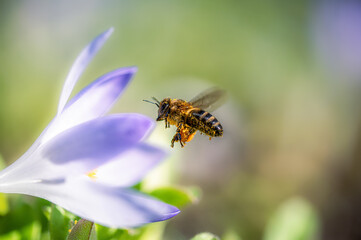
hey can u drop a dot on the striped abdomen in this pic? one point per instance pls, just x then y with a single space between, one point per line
206 123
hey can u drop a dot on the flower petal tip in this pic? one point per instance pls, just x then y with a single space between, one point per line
104 35
134 68
150 123
80 64
109 31
124 71
175 211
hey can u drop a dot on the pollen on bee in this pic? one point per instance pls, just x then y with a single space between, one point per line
92 175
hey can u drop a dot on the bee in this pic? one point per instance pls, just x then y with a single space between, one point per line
190 117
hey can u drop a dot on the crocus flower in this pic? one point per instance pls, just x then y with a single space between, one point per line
86 162
336 35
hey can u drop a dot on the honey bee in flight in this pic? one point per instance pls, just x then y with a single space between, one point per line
190 117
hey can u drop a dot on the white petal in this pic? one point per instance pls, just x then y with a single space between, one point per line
80 149
109 206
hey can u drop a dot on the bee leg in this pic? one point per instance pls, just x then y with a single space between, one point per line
177 137
181 141
174 139
166 123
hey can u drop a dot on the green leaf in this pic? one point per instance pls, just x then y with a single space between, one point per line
294 220
153 231
32 231
83 230
14 235
47 212
137 186
178 197
205 236
4 205
231 234
59 224
23 211
117 233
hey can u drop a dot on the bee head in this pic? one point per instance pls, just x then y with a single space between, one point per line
164 109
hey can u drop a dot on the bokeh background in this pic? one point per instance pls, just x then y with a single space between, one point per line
292 70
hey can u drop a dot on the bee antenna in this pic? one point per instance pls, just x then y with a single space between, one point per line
155 100
157 103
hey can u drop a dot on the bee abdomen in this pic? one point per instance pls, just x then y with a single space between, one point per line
208 123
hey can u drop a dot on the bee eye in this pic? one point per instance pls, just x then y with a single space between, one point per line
164 107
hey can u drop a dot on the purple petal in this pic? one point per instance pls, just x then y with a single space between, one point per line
80 64
130 167
81 149
336 35
108 206
93 101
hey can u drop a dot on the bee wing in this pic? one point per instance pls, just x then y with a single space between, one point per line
209 100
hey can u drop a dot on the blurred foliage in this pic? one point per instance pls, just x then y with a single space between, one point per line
24 219
294 220
59 223
230 234
205 236
178 197
115 234
4 205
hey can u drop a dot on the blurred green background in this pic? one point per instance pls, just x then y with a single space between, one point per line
291 125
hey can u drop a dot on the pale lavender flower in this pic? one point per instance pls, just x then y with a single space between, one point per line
336 35
80 139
